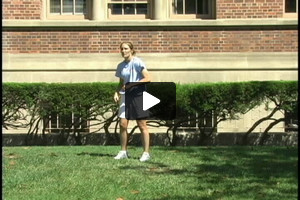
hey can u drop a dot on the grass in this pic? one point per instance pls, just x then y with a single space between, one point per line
174 173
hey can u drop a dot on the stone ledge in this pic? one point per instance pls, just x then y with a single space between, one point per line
159 139
146 24
162 61
194 22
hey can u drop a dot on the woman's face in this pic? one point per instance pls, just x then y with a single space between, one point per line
126 52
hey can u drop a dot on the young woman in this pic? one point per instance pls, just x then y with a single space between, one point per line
130 70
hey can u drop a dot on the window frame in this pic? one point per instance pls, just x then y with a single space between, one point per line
48 122
290 14
211 11
129 16
69 16
291 121
195 123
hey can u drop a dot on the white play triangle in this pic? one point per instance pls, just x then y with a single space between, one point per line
149 101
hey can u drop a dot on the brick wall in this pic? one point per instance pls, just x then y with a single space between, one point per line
149 42
234 9
32 9
21 9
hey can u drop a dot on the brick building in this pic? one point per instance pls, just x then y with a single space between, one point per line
182 41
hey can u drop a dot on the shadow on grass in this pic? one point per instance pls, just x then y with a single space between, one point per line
177 197
234 172
241 171
101 155
148 167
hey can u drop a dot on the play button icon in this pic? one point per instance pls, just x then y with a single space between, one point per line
149 101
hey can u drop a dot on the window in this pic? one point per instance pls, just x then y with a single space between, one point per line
193 9
67 9
291 118
56 123
290 8
204 123
128 9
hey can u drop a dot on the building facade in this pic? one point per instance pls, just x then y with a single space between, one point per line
181 41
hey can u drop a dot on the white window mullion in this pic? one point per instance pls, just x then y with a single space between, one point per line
57 121
61 7
74 7
213 118
50 123
72 118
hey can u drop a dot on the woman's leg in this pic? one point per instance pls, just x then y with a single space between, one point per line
123 133
145 134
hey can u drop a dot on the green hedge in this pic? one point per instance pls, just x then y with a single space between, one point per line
91 100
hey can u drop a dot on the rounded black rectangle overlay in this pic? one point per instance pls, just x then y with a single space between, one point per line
164 91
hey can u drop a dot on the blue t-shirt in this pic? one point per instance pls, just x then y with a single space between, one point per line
130 71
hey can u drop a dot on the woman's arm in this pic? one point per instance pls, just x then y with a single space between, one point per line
146 76
117 94
120 85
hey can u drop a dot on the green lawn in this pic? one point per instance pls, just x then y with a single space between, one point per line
174 173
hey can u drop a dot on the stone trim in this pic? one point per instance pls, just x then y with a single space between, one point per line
160 139
9 25
168 67
255 61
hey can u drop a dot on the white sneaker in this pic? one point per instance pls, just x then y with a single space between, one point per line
121 155
145 157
